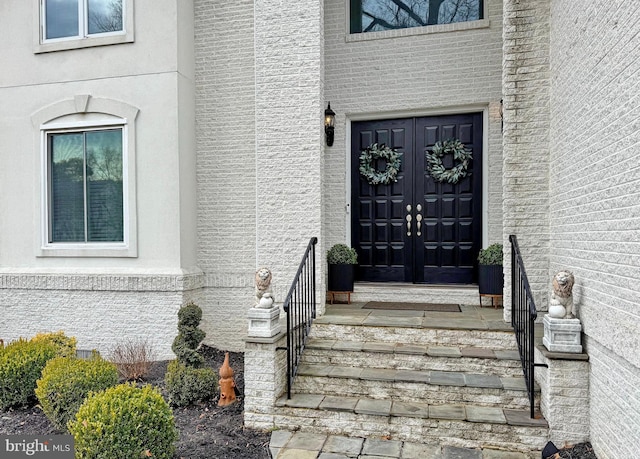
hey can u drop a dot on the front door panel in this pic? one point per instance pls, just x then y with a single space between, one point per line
441 241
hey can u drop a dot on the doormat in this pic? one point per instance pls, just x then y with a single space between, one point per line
412 306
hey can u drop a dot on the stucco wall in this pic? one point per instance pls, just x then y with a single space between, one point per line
41 293
594 186
411 72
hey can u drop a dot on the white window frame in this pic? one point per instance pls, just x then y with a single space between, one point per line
78 116
83 39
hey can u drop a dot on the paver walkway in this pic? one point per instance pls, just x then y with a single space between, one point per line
304 445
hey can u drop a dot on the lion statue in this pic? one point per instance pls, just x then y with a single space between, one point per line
264 294
561 302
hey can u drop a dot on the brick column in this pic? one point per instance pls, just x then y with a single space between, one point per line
564 388
265 379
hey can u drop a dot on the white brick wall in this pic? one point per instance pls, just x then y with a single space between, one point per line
101 311
525 80
615 407
595 205
412 73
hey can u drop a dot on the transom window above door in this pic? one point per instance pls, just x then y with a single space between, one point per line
379 15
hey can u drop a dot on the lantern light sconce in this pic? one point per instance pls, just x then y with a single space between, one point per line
329 124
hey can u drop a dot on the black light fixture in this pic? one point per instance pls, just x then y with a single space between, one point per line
329 123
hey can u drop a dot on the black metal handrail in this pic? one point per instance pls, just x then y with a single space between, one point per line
523 318
300 306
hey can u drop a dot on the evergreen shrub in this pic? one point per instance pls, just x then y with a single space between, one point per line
186 385
124 422
21 364
67 381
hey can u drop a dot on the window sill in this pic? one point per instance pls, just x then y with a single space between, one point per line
88 250
413 31
79 43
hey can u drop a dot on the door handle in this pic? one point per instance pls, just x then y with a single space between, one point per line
408 218
419 220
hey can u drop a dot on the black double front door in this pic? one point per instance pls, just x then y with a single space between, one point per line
417 229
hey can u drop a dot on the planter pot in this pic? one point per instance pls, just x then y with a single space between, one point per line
490 279
341 278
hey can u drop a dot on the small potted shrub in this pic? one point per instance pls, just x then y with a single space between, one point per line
342 261
490 275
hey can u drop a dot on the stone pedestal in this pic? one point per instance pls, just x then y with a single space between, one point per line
264 323
562 335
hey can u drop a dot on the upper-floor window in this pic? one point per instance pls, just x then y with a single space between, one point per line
73 24
377 15
82 18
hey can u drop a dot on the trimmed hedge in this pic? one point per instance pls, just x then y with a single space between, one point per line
124 422
186 385
67 381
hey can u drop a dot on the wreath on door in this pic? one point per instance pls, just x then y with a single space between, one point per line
367 161
460 154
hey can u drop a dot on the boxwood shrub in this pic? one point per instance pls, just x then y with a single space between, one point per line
65 383
124 422
21 363
186 385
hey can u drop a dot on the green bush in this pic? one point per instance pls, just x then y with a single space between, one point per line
186 385
492 255
189 337
341 254
21 364
65 383
65 345
124 422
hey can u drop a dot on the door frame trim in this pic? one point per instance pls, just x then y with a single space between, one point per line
455 110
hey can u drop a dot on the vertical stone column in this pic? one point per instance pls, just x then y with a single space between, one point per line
564 388
289 110
265 379
525 82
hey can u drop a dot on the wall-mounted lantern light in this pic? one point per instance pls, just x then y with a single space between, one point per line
329 123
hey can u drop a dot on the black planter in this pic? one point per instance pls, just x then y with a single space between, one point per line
490 279
341 278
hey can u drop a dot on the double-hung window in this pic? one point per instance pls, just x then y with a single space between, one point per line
379 15
68 24
85 186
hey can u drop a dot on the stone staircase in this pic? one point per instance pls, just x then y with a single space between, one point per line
448 378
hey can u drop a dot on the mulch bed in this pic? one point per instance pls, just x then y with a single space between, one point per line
207 431
580 451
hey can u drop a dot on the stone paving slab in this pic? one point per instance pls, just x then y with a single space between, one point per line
307 440
355 346
497 454
454 412
477 352
447 378
482 380
348 446
523 418
444 351
310 401
333 456
412 349
316 343
314 370
372 346
334 403
419 451
516 383
346 372
413 376
452 452
375 447
373 407
507 355
291 453
490 414
410 410
378 374
385 321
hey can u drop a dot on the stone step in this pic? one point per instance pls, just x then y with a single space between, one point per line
438 294
433 387
460 425
411 331
412 356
